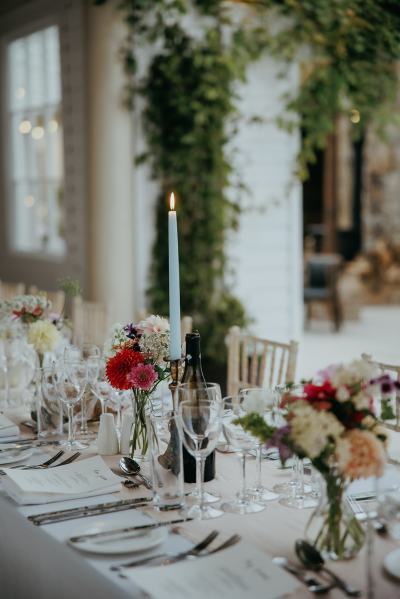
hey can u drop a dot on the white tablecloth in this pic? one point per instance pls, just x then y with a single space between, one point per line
36 563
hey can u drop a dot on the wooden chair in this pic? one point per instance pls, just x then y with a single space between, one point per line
10 290
255 362
90 322
321 285
394 371
57 298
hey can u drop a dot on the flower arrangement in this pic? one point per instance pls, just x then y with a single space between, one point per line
27 308
333 423
136 361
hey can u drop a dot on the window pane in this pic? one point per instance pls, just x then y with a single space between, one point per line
36 140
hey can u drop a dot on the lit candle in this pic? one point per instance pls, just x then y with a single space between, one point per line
174 292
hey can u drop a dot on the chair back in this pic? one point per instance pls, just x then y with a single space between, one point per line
90 322
394 371
256 362
10 290
57 298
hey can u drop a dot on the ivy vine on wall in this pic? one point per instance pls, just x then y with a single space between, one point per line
199 50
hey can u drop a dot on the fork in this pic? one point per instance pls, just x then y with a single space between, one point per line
69 460
45 464
170 559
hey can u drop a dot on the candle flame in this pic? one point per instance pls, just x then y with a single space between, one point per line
172 201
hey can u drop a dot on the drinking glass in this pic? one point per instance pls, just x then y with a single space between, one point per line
241 441
71 383
103 391
3 377
50 410
166 461
206 391
201 426
264 402
303 495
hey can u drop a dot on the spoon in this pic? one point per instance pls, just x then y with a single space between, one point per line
311 558
313 585
132 468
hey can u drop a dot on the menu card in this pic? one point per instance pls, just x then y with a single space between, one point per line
84 478
238 572
8 429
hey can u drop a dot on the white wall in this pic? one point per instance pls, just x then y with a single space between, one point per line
266 251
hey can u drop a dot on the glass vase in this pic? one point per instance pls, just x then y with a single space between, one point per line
333 528
139 441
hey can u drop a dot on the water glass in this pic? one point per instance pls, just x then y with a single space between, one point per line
49 408
166 461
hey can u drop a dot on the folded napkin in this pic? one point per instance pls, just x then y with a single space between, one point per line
7 428
84 478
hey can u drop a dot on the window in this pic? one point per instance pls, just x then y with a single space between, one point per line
36 163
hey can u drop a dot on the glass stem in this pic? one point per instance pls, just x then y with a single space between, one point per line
242 492
199 480
258 467
84 427
70 424
300 468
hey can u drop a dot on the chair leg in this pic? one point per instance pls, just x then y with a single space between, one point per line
308 315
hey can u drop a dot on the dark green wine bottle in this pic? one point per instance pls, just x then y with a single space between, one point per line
193 375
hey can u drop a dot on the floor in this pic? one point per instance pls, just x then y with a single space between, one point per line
376 333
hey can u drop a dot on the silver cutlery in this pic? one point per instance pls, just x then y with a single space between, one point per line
45 464
313 585
22 445
88 510
122 533
164 559
311 558
131 468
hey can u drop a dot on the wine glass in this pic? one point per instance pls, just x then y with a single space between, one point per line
200 422
103 391
71 383
263 402
241 441
206 391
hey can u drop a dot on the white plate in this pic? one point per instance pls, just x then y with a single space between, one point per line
391 562
15 455
141 540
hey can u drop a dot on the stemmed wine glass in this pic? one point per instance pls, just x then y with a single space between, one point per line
89 353
102 390
241 441
200 422
264 402
71 383
206 391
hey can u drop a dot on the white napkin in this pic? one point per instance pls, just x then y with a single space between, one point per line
7 428
85 478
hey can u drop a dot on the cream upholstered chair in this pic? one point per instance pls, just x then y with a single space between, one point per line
10 290
255 362
57 298
90 322
394 371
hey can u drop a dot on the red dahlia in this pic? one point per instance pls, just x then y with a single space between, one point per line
119 367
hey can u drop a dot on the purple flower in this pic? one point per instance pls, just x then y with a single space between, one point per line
279 440
130 331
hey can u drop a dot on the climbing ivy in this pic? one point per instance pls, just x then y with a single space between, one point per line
199 50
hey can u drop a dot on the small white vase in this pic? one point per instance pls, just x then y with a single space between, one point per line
107 438
126 429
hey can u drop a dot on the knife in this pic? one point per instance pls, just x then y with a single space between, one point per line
123 533
88 510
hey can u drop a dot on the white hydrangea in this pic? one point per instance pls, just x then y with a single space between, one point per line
311 429
44 336
258 401
357 371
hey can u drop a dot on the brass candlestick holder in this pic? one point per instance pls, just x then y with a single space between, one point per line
175 366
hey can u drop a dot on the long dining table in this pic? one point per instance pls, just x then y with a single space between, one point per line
36 562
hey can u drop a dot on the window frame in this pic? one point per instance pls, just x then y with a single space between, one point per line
70 18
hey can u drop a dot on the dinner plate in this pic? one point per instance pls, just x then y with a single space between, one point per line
137 541
14 456
391 561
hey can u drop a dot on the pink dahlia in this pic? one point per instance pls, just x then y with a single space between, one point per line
143 376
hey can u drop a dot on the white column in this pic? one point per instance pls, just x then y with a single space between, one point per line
111 224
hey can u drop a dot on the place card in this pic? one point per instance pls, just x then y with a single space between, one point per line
237 572
83 478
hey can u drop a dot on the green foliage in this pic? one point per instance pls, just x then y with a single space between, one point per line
347 49
71 287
